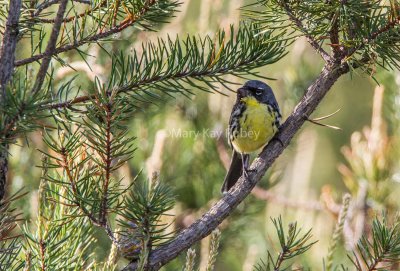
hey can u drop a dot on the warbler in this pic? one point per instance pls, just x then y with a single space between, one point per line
254 121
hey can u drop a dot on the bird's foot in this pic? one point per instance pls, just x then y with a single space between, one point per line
278 139
245 164
246 173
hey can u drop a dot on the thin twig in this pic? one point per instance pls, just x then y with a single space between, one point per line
44 5
49 3
98 222
107 159
6 132
318 48
282 255
73 18
334 37
66 167
51 46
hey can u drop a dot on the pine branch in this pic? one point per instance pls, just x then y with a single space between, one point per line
382 250
292 245
9 242
285 15
223 208
51 46
141 15
375 35
68 149
46 4
174 66
106 134
89 11
20 109
311 40
7 56
370 34
59 242
107 157
90 154
334 35
357 30
9 43
66 165
146 203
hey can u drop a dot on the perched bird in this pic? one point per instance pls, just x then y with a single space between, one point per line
254 121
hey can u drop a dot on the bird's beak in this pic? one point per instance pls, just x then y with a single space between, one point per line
241 93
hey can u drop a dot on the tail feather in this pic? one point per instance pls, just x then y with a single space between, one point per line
234 172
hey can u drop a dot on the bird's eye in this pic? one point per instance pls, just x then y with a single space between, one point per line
258 92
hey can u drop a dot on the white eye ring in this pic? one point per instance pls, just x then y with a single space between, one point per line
258 92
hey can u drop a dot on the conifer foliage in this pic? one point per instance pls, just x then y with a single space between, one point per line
86 128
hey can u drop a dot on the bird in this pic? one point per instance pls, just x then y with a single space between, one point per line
254 121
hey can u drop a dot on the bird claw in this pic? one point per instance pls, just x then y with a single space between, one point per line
246 173
276 137
279 140
245 164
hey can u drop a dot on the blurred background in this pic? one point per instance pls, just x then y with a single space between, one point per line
184 139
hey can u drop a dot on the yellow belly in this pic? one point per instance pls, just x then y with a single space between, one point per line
256 127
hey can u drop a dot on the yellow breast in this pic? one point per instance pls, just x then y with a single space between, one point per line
257 126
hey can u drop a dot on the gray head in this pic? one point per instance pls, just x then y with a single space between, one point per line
259 90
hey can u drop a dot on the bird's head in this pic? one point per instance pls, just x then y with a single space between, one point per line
257 89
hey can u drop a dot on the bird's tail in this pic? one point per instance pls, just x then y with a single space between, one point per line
234 172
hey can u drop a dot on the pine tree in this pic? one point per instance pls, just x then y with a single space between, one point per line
86 128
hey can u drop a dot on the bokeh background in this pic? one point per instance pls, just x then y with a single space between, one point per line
184 139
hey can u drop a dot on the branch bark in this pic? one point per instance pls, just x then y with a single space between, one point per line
223 208
334 38
7 51
7 56
51 46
